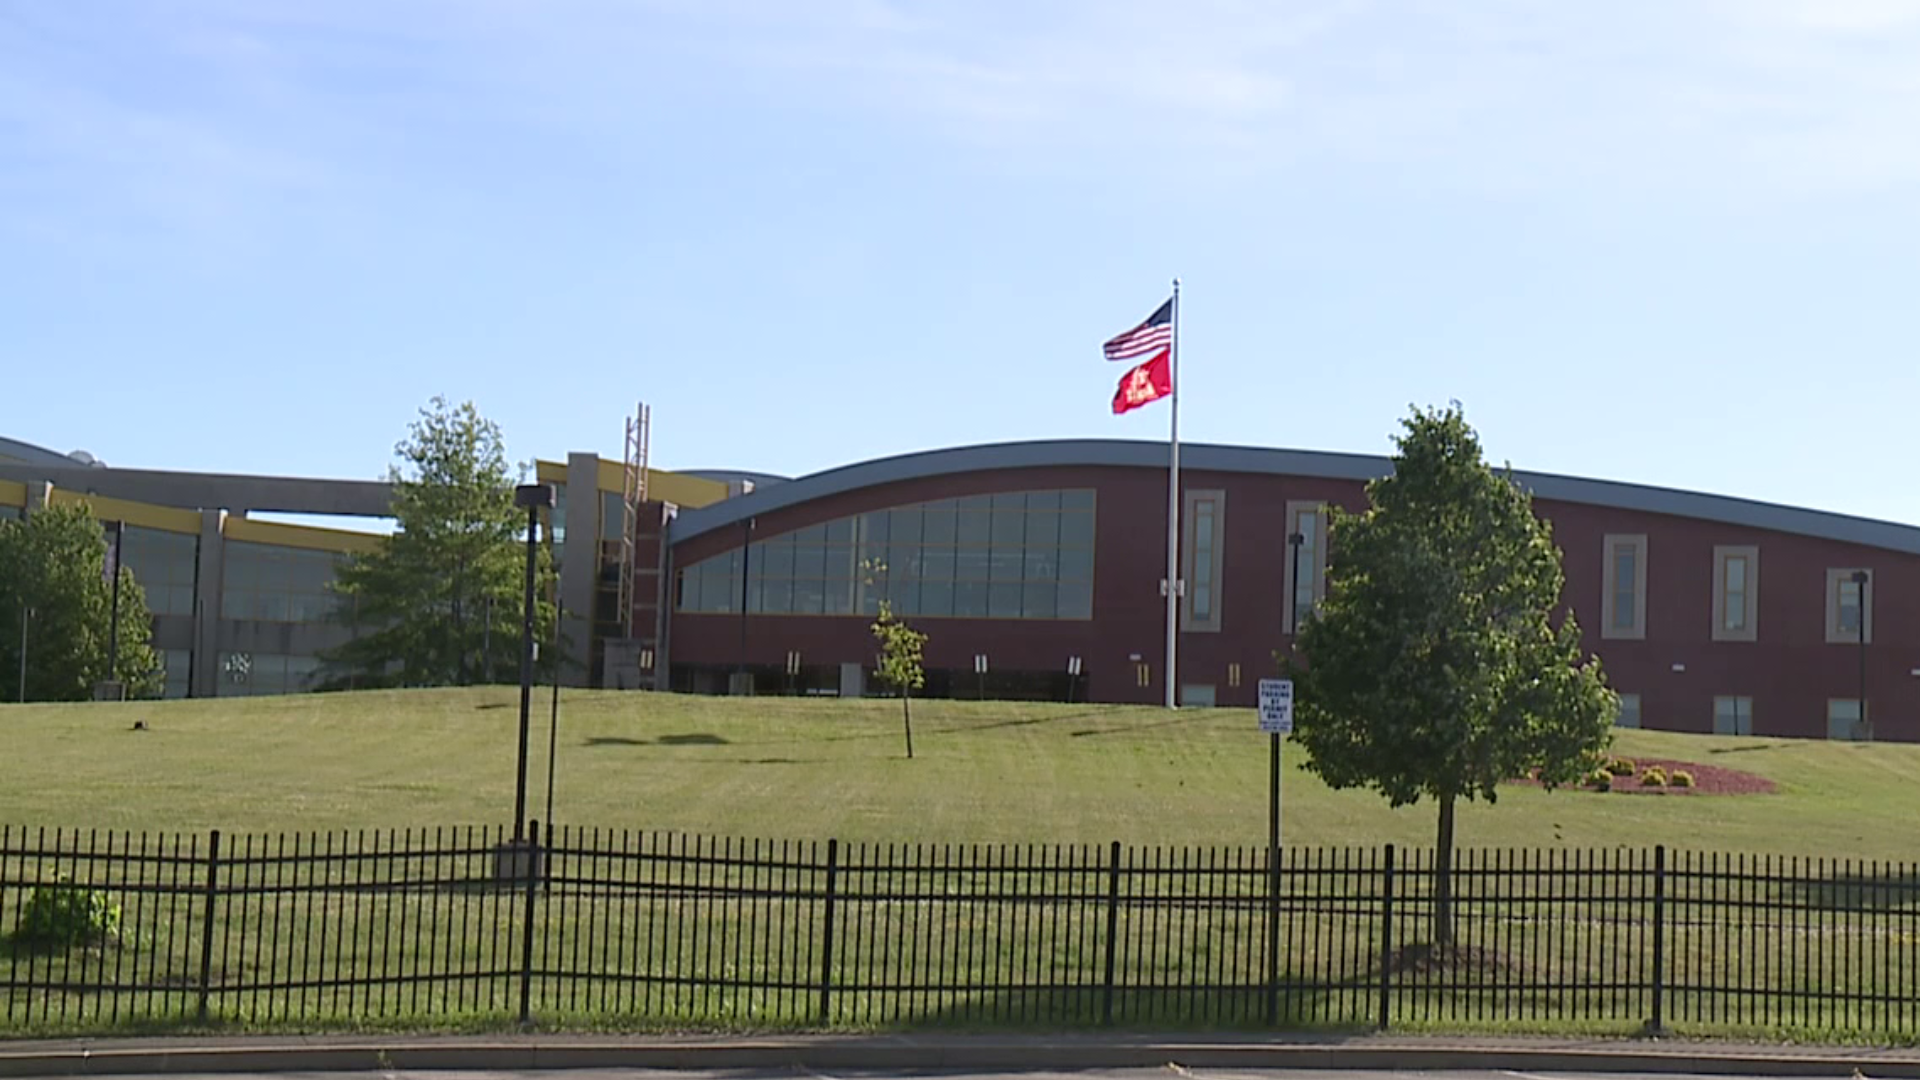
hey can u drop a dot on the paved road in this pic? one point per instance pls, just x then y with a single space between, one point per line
1168 1073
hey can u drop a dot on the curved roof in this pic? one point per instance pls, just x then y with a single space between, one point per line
31 454
1311 463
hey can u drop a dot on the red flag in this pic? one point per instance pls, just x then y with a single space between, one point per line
1149 382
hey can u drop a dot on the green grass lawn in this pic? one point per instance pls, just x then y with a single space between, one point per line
794 768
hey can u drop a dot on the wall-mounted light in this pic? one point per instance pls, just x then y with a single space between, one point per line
1679 667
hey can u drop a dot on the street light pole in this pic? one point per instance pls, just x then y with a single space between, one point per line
26 613
113 620
746 558
1860 635
533 497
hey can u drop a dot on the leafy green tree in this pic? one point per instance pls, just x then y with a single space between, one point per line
440 602
54 563
1435 668
901 647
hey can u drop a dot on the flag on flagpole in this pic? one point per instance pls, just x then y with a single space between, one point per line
1149 382
1152 336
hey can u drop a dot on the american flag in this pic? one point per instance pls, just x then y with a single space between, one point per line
1149 337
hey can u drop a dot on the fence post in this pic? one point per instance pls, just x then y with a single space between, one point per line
1273 930
826 943
1113 930
1657 1022
206 921
532 865
1386 940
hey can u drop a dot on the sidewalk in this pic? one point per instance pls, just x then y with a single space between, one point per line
896 1052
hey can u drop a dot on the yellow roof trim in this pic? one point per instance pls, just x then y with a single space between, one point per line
13 493
146 515
662 486
310 537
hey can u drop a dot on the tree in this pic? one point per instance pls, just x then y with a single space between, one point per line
901 647
54 563
440 602
1434 668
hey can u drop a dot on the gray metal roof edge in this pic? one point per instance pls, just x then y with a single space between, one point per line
1318 464
30 454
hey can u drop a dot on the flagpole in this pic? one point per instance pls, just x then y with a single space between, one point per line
1173 510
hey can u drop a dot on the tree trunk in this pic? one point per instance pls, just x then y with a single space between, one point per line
1443 877
906 717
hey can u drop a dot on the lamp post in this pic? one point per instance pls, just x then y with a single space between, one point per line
113 620
1860 636
746 557
534 497
26 614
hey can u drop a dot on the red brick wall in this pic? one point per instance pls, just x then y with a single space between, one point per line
1790 672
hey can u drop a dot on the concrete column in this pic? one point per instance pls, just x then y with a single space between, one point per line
208 574
580 564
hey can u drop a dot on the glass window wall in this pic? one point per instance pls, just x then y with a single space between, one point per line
278 584
1012 555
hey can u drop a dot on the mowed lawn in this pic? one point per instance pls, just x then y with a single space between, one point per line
792 768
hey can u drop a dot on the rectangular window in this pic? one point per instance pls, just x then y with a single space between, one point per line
1733 716
1736 593
1143 674
1305 562
1205 527
1233 674
1623 597
1197 696
1629 711
164 564
1844 720
1850 604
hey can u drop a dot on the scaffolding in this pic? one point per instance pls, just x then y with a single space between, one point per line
633 496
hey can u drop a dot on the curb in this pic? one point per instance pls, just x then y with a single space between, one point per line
906 1053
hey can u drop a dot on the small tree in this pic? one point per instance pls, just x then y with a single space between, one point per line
54 563
446 588
901 648
1434 669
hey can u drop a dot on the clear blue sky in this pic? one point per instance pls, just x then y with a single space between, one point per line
1667 241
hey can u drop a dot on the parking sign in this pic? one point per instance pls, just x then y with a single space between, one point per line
1276 706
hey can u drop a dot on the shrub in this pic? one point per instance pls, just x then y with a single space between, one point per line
67 914
1680 778
1654 777
1600 780
1622 766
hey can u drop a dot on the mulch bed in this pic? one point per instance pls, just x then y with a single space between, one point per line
1707 780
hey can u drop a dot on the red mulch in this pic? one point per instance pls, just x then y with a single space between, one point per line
1707 780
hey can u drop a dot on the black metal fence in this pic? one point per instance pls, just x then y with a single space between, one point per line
592 926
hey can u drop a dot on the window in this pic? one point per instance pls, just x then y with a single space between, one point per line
1736 593
1307 564
257 674
1233 674
178 666
1629 711
165 564
1623 599
1206 520
1143 674
1011 555
1197 696
1849 607
1844 720
269 583
1733 716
